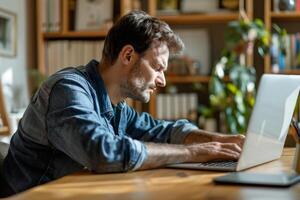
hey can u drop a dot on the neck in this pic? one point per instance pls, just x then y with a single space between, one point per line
111 76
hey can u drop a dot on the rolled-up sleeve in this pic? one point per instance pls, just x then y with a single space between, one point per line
143 127
76 129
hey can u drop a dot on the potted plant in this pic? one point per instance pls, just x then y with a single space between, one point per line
233 82
36 79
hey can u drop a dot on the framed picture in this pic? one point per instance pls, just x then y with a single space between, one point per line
93 14
7 33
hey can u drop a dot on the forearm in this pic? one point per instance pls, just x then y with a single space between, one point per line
162 154
200 136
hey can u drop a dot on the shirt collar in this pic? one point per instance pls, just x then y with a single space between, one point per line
98 83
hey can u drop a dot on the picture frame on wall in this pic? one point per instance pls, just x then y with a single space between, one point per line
8 26
93 14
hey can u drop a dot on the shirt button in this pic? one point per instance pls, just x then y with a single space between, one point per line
110 115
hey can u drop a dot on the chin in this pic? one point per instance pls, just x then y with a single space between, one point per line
145 98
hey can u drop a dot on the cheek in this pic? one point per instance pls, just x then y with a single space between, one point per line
147 72
150 76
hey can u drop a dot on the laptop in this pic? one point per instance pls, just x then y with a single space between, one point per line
268 126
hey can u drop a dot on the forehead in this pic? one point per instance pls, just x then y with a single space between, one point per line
158 52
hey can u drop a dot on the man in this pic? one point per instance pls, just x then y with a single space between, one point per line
78 118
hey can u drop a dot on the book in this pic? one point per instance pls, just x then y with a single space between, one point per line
65 53
51 15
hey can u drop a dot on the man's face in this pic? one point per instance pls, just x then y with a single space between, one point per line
147 73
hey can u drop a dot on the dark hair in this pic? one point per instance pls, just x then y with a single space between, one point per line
139 29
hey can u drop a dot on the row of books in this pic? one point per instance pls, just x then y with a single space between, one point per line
291 58
63 53
51 15
195 6
177 106
83 14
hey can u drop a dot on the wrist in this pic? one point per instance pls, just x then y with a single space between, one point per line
164 154
190 154
200 136
216 137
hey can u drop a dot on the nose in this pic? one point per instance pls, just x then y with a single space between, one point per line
161 80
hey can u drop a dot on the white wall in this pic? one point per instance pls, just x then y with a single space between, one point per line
18 63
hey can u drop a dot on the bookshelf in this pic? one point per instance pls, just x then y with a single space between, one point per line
183 20
287 20
199 20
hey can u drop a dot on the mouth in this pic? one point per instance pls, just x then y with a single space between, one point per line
151 90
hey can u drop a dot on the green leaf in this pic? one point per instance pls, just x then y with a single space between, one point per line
240 104
216 86
206 111
231 122
236 96
232 88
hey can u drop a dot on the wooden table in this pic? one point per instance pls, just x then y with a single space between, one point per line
162 184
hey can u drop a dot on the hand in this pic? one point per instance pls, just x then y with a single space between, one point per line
202 136
237 139
213 151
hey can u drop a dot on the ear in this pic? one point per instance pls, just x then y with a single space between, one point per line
127 54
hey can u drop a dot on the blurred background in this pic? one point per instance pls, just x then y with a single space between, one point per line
229 45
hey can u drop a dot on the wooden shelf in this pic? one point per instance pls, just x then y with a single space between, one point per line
188 79
4 130
285 16
286 19
199 18
75 34
190 19
291 72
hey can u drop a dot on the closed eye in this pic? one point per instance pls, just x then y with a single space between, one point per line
158 69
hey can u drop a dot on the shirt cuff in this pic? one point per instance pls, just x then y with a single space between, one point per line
180 130
139 155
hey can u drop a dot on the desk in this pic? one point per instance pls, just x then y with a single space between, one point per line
161 184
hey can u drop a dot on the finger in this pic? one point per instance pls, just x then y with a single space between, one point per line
232 146
240 140
218 152
232 153
227 154
218 145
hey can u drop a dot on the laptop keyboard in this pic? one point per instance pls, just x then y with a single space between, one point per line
219 164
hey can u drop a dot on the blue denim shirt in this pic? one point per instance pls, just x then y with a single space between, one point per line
70 124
